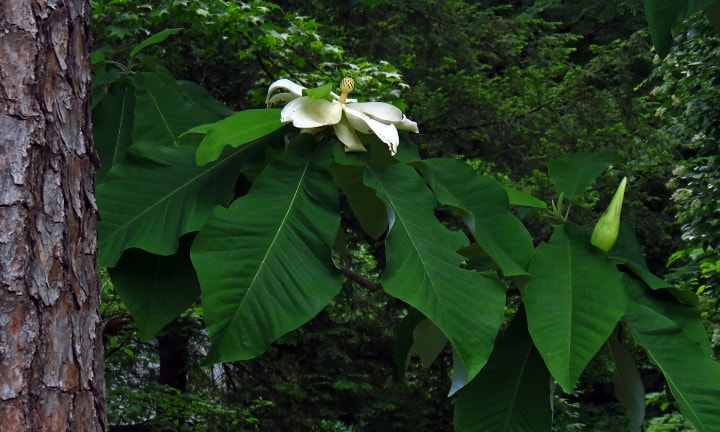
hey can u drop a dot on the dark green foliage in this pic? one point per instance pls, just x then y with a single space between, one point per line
687 100
663 15
171 280
426 238
513 85
337 372
514 381
137 398
264 262
236 49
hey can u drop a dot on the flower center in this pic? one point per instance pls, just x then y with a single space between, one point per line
346 86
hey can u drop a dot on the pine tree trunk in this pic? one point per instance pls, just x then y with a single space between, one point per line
50 345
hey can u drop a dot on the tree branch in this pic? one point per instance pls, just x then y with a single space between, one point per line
361 280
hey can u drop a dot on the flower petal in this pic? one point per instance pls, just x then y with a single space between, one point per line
382 111
279 99
285 84
305 112
357 120
407 124
346 134
386 132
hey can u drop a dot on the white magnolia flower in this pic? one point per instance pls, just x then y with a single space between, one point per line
345 115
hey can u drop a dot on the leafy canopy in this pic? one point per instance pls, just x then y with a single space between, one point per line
248 210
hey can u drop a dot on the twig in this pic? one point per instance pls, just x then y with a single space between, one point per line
360 279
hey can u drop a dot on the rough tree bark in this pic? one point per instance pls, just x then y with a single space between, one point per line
50 346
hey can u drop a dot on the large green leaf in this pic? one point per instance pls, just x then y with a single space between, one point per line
163 112
627 383
112 125
662 15
163 103
512 392
574 300
203 99
685 317
236 130
366 206
348 169
572 173
265 263
423 267
486 208
673 336
156 289
159 193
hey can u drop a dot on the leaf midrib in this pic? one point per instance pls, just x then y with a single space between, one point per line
263 261
162 116
516 389
116 151
393 204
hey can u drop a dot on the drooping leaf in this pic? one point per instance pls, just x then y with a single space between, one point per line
156 289
675 340
154 39
512 392
423 267
627 252
573 301
404 340
428 342
572 173
238 129
486 209
159 194
163 112
366 206
662 15
713 14
348 170
201 97
684 317
627 383
264 263
112 125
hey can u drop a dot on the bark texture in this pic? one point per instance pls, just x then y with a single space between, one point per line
50 346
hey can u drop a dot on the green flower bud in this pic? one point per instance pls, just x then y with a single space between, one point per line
606 230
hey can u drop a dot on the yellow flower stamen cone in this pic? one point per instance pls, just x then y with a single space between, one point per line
346 86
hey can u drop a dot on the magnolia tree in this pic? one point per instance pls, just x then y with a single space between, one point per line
242 211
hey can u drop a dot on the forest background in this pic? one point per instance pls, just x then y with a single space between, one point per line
514 85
